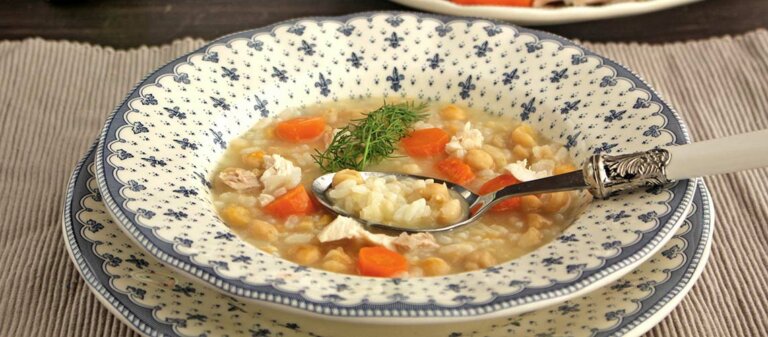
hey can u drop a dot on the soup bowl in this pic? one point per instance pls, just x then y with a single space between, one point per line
159 148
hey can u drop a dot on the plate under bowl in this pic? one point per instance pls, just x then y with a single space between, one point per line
155 300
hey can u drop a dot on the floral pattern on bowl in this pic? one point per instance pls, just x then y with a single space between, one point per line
156 300
161 144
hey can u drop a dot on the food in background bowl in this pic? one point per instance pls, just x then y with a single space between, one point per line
538 3
261 187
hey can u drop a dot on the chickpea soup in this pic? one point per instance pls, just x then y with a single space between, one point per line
261 187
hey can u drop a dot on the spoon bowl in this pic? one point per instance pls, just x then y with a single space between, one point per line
473 205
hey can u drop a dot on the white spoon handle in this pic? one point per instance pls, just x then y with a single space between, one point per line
729 154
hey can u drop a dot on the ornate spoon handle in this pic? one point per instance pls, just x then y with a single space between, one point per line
608 174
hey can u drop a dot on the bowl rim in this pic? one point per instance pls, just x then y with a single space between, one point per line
526 300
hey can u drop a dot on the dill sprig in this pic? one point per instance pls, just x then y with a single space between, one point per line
370 139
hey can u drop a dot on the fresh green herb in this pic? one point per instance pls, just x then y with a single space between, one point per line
370 139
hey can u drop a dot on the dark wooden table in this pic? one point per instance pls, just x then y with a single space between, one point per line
130 23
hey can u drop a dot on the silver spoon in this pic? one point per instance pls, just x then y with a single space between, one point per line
602 175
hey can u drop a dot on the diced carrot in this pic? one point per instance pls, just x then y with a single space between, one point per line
456 170
300 129
517 3
380 262
295 202
426 142
498 183
475 208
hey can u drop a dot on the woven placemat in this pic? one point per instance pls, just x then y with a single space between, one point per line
54 97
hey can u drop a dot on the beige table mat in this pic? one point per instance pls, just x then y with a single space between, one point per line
54 97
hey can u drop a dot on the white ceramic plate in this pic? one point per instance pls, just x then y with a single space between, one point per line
156 301
545 16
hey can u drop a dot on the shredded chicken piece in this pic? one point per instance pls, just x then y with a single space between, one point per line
406 242
279 176
347 228
240 179
464 140
340 228
521 171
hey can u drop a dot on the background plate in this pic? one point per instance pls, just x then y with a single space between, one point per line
545 16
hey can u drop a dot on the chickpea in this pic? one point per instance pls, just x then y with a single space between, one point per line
306 254
434 266
479 160
338 254
450 212
236 216
531 238
344 175
452 112
336 260
479 259
521 152
537 221
435 192
262 230
565 168
530 203
336 267
555 202
523 135
499 159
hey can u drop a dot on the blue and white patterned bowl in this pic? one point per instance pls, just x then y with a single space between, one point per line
158 149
